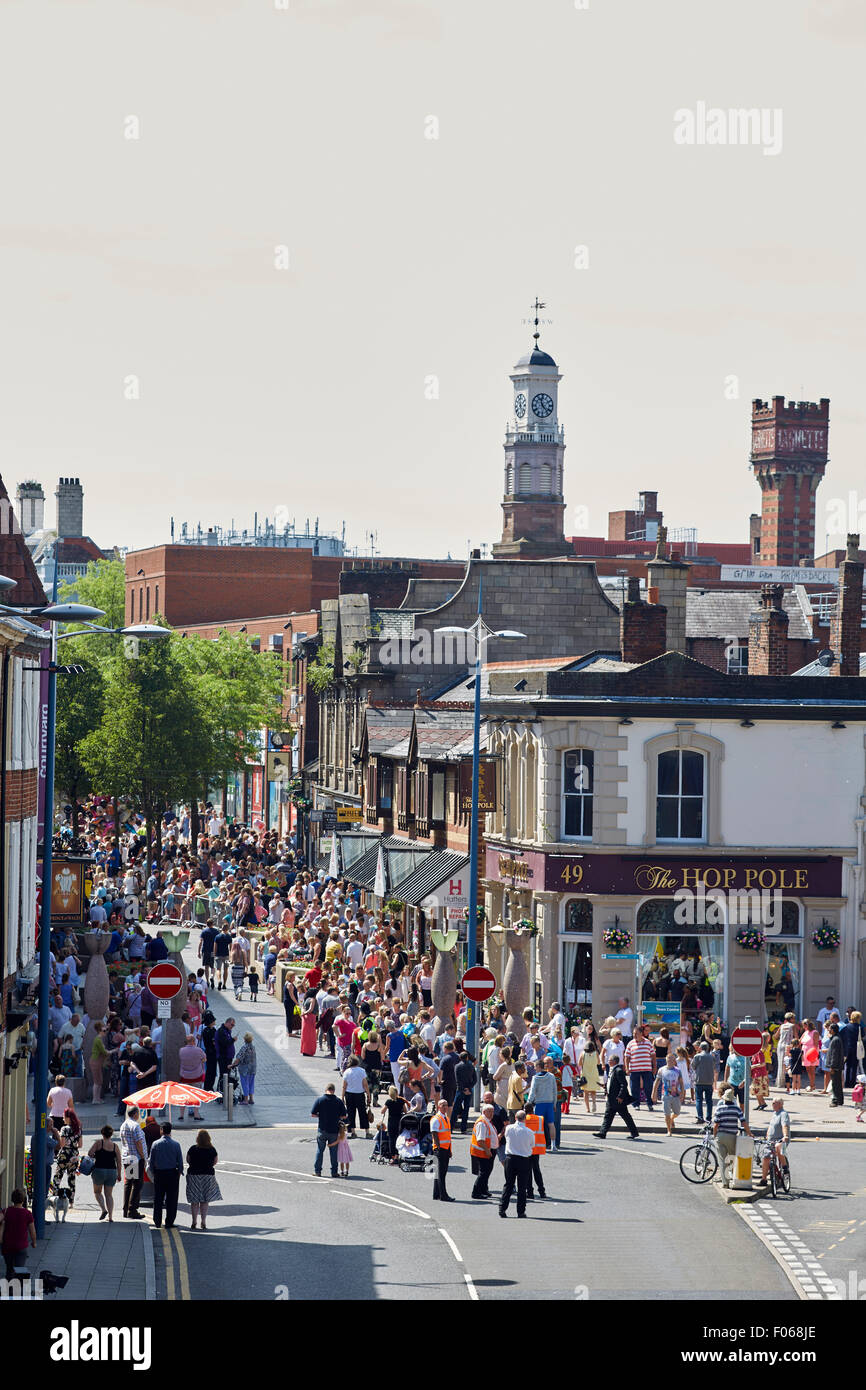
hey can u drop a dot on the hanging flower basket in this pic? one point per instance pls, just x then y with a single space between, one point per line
750 938
526 927
826 938
616 938
480 915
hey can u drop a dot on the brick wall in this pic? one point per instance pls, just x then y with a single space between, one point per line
768 635
642 628
845 625
21 794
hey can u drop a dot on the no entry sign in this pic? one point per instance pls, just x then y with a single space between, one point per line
478 984
746 1040
165 980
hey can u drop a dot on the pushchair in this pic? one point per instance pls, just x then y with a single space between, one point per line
381 1151
414 1144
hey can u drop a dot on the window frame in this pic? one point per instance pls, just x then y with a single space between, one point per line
680 797
580 797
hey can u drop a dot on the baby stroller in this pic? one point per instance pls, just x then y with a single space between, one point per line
413 1144
381 1152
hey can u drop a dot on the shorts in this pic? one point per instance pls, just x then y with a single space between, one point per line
672 1105
104 1177
207 960
547 1110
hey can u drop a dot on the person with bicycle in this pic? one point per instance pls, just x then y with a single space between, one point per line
728 1119
778 1134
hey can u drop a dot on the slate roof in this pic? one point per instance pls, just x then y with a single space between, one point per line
439 866
16 562
443 734
388 731
725 612
814 668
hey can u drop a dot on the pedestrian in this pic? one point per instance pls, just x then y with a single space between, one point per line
851 1034
202 1187
59 1097
308 1028
669 1088
330 1112
810 1042
465 1077
344 1153
760 1074
221 947
588 1073
245 1061
704 1067
66 1164
206 941
516 1090
98 1059
518 1158
133 1154
356 1097
640 1066
17 1231
253 982
208 1044
238 966
393 1111
501 1077
726 1127
618 1100
535 1123
542 1098
735 1075
482 1151
835 1064
106 1171
291 1005
440 1133
193 1063
165 1166
225 1051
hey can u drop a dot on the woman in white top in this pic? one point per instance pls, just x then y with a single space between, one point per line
612 1048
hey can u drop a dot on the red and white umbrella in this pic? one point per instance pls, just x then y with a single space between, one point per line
170 1093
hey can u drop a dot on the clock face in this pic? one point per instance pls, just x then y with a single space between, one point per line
520 405
542 405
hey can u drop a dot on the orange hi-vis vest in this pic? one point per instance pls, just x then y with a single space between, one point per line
440 1125
483 1135
536 1124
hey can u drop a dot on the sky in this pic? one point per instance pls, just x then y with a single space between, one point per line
238 275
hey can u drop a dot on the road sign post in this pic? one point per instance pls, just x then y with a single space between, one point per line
164 980
746 1041
478 984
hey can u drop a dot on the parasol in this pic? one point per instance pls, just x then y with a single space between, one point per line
170 1093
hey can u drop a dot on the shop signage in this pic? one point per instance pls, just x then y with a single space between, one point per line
520 870
348 815
486 785
662 876
656 1015
454 897
329 820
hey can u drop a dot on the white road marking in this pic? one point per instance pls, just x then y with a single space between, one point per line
359 1197
417 1210
454 1250
473 1292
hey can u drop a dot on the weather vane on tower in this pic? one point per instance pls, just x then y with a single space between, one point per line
537 306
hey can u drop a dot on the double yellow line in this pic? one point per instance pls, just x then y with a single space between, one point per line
172 1238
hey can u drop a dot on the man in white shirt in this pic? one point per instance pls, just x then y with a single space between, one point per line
625 1019
829 1008
59 1098
133 1152
518 1163
427 1029
75 1030
214 826
354 949
156 1039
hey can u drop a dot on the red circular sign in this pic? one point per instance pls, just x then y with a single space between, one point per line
479 983
746 1041
164 980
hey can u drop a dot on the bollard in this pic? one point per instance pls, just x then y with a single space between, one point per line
743 1163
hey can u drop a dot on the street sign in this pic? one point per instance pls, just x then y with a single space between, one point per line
163 1008
746 1040
165 980
479 983
348 815
316 817
329 820
621 955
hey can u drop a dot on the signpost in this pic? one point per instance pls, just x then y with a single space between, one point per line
478 983
746 1041
164 980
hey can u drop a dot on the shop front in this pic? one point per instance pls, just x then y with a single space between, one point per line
726 934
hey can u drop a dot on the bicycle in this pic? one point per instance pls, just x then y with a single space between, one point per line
700 1162
780 1170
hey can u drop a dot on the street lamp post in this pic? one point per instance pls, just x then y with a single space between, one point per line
55 613
481 633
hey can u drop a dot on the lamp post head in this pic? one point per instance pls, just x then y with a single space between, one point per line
70 612
146 630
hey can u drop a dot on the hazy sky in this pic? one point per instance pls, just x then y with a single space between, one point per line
304 388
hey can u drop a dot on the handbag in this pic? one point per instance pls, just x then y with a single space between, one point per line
369 1115
86 1164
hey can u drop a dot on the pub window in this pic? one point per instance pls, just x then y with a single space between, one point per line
578 915
577 791
386 786
680 795
437 784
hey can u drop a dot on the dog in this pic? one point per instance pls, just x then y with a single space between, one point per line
60 1202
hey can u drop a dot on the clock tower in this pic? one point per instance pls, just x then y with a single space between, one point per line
533 506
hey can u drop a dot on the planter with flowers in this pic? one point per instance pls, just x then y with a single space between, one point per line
480 915
525 926
616 938
750 938
825 938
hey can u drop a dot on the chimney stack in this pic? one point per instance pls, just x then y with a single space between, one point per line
670 579
845 625
642 627
31 507
70 508
768 635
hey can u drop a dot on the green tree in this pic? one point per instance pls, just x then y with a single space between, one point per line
104 586
79 712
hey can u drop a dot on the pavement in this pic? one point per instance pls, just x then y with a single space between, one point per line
103 1260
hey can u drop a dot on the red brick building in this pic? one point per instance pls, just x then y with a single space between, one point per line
789 456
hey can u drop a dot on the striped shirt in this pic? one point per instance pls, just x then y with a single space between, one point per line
727 1115
641 1056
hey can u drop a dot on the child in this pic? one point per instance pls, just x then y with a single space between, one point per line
567 1084
253 981
344 1153
857 1096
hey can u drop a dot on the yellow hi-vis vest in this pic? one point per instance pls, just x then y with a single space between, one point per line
440 1125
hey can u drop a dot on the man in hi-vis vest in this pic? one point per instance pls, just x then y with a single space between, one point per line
535 1123
440 1133
482 1151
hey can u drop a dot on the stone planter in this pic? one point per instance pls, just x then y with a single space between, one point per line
443 988
515 982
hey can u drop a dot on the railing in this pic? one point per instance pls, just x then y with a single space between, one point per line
405 820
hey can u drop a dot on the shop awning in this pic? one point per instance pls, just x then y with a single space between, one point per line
402 858
441 867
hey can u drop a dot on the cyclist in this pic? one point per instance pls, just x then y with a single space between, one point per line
778 1134
727 1121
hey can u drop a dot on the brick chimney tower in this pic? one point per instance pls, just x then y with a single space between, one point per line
768 635
70 508
31 507
670 579
845 625
642 627
788 458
